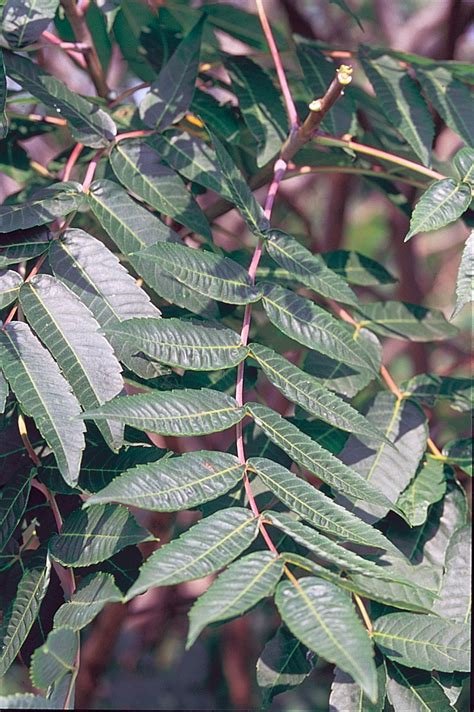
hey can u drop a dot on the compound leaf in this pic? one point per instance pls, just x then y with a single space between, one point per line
443 202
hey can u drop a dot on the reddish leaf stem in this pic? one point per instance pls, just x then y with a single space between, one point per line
71 161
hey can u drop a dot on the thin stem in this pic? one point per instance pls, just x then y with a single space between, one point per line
306 170
128 92
73 49
285 89
134 134
91 169
71 161
435 449
364 614
26 441
37 117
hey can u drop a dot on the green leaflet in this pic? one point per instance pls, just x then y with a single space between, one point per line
90 125
454 596
301 388
190 345
206 547
463 162
325 548
219 116
427 487
400 320
242 196
3 392
260 104
465 278
87 601
311 504
17 246
30 593
423 641
44 395
444 201
309 269
26 701
171 94
450 97
388 469
429 388
283 664
170 485
96 276
314 327
310 455
240 587
139 168
55 658
56 201
459 452
23 21
131 226
3 96
357 268
415 690
192 158
179 412
95 534
209 274
401 101
13 504
323 618
10 283
347 696
72 335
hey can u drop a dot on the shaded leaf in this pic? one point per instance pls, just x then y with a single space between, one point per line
429 388
43 394
309 269
423 641
427 487
13 504
95 534
463 162
23 245
313 505
310 455
204 272
357 268
240 587
400 100
90 125
347 696
388 469
25 608
3 392
444 201
400 320
172 92
55 658
190 345
66 326
139 168
314 327
454 596
465 278
56 201
90 597
177 412
415 690
24 21
220 117
206 547
10 283
174 484
459 452
3 96
323 618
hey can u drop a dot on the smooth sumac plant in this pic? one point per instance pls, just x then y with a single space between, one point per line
127 328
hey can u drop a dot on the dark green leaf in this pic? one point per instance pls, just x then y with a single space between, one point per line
260 104
427 487
92 594
220 117
401 320
90 125
23 245
388 469
205 272
206 547
173 484
314 327
178 412
243 25
139 168
3 392
347 696
454 596
400 100
423 641
25 608
357 268
24 21
13 504
55 658
56 201
171 94
465 278
443 202
450 97
309 269
415 691
10 283
44 395
240 587
95 534
3 96
463 162
428 388
459 452
284 663
66 326
310 455
323 618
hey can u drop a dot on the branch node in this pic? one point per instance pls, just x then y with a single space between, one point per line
344 74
